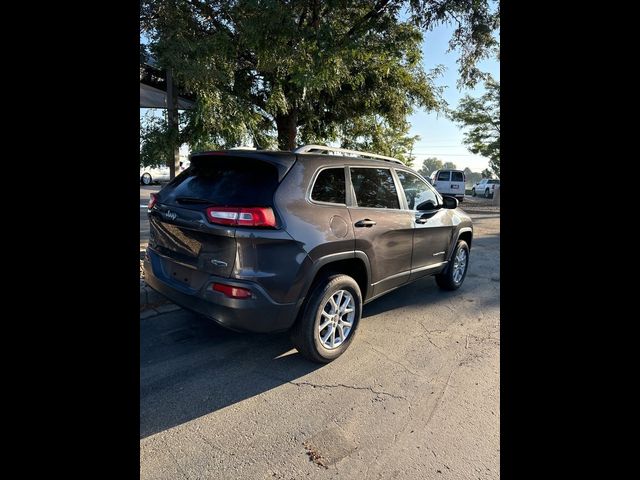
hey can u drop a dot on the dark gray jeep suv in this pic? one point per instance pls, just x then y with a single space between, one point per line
268 241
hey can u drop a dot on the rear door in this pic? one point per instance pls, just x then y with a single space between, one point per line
457 182
433 225
187 223
383 230
443 180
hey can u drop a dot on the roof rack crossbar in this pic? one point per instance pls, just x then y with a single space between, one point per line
323 149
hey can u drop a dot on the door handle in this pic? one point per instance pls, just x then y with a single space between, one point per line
421 220
365 223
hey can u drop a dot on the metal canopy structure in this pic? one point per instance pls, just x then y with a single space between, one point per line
153 88
152 97
154 85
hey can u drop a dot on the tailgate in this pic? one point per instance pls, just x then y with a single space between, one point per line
184 236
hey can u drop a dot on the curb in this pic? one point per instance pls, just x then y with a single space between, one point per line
152 303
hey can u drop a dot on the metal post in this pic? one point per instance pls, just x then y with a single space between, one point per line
172 110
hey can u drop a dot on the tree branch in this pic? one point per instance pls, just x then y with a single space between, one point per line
377 10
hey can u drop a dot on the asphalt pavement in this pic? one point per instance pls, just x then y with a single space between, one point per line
416 396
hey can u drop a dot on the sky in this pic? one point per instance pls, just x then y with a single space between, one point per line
440 137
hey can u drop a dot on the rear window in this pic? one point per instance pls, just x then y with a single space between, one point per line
457 177
225 181
329 186
443 176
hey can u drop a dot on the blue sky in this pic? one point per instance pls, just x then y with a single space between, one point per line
440 137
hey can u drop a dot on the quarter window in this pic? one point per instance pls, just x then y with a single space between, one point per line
374 188
329 186
419 195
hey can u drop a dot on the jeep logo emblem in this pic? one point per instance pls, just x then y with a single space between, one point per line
170 215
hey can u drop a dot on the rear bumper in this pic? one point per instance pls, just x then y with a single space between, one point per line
257 314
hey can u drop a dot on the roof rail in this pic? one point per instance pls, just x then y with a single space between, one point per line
323 149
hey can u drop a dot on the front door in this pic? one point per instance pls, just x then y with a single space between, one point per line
433 225
382 229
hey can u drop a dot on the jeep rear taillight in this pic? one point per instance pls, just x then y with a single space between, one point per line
153 199
242 216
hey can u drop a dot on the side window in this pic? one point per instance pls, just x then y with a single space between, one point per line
374 188
443 176
420 196
329 186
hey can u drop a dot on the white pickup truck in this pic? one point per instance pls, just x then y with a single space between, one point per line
485 187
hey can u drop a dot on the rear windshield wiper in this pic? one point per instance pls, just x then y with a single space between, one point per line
192 200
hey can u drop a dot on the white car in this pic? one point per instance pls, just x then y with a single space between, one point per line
485 187
149 175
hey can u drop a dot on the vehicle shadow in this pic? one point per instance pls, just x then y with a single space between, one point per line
190 367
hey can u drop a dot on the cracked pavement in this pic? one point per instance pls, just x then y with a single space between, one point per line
416 396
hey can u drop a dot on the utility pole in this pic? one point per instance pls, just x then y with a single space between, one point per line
172 110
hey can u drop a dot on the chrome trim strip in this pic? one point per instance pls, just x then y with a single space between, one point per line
406 272
428 267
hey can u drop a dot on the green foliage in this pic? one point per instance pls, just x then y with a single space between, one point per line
373 135
471 177
486 173
450 166
288 72
481 118
429 166
156 142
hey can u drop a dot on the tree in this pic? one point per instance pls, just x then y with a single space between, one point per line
486 173
471 177
373 135
481 118
450 166
430 165
280 72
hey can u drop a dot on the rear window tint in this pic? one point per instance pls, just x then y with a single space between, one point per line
330 186
457 177
225 181
443 176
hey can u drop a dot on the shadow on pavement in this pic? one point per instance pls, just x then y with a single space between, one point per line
190 367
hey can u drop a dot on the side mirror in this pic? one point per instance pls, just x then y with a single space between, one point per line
449 202
428 205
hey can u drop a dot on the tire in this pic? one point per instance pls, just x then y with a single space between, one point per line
146 179
487 194
306 334
461 199
449 280
473 192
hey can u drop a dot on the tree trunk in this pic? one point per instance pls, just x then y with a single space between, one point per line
287 130
172 112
